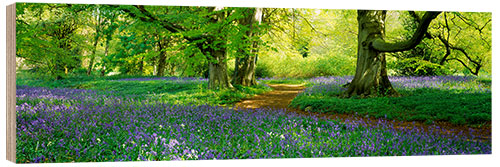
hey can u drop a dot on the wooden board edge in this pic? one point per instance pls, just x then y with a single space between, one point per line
11 82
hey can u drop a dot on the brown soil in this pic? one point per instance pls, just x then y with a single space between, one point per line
279 98
283 94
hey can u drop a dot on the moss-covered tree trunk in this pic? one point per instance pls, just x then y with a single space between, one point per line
371 77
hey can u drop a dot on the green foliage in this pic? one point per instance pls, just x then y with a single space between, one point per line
466 34
423 60
423 105
288 42
330 51
293 81
314 65
415 66
47 40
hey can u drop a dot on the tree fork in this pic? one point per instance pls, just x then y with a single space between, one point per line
371 77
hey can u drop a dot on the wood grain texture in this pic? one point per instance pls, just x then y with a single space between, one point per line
11 82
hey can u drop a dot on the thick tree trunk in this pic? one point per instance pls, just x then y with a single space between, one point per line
244 71
217 63
371 70
371 73
217 70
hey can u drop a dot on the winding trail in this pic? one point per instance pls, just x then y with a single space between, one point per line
279 98
283 94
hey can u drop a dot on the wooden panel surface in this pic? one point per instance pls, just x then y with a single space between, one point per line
11 82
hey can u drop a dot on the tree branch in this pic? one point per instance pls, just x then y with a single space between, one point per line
148 17
169 26
419 20
462 62
383 46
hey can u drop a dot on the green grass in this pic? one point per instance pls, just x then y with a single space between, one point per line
293 81
171 91
422 105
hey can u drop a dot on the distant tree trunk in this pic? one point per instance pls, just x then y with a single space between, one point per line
106 51
141 66
96 40
371 77
161 57
92 57
244 70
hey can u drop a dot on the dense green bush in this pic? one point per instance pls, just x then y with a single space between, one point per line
296 66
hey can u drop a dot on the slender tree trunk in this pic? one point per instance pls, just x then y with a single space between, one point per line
141 66
92 57
371 77
96 41
106 51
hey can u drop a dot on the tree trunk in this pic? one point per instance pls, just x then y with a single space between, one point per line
217 63
141 66
106 49
96 40
244 71
217 70
371 70
92 58
162 57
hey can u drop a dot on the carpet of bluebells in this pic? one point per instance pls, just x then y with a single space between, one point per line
335 85
78 125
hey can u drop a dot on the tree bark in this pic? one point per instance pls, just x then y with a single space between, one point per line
217 70
371 77
244 71
217 64
161 57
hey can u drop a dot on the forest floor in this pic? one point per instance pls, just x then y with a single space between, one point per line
283 94
279 98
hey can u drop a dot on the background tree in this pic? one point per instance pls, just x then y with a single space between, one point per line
48 37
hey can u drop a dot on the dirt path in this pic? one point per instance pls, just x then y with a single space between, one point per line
283 94
279 98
